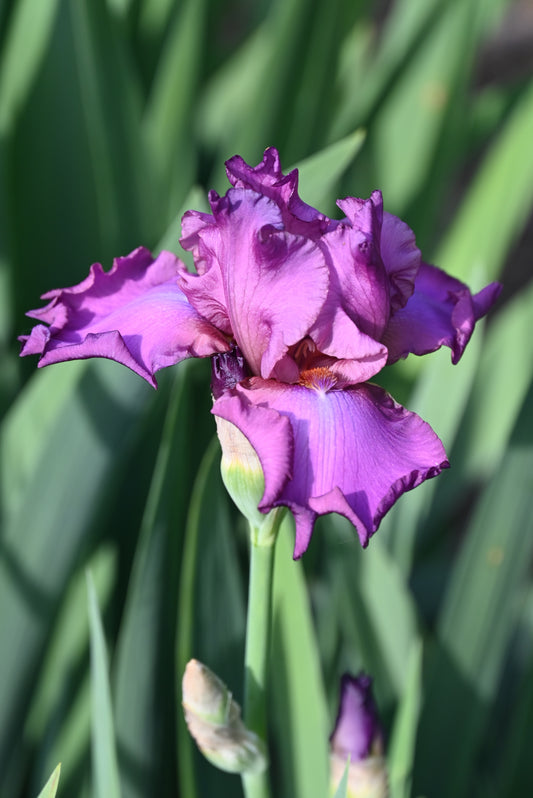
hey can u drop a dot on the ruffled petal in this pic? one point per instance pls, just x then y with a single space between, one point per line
357 357
134 314
192 224
401 258
269 284
355 450
267 178
361 284
441 312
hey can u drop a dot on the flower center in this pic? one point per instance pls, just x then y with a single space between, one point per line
320 379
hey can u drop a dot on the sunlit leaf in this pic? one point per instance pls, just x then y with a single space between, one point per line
401 753
28 36
50 788
301 724
341 790
105 768
477 620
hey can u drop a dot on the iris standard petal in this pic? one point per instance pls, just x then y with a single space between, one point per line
355 450
270 284
441 312
357 357
134 314
362 284
401 258
192 224
268 179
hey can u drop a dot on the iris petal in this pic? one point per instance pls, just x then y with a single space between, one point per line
254 268
355 451
441 312
401 258
267 178
134 314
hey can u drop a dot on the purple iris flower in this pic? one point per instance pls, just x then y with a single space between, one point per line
315 306
357 733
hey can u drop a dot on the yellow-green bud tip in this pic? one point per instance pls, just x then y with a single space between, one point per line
366 778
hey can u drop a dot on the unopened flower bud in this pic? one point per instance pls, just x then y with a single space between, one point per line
214 721
358 736
240 466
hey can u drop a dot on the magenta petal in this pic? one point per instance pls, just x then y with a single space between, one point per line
267 178
441 312
192 224
359 284
358 357
134 314
401 258
355 451
267 284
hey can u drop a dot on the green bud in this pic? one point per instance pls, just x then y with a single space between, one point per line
244 480
366 778
214 721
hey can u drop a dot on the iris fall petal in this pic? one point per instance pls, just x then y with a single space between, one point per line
355 451
134 314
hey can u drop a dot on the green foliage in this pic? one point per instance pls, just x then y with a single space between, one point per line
50 788
115 117
340 792
105 769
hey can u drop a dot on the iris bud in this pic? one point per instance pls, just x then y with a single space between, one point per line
358 736
240 467
214 721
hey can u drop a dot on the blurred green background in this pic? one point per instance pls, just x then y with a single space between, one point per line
115 117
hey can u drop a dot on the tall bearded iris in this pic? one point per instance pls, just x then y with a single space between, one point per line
300 312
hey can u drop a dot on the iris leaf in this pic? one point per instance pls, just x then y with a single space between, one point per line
301 725
515 776
166 121
375 608
440 396
415 122
67 475
485 227
105 767
402 743
144 664
477 620
211 613
496 399
30 28
113 127
50 788
59 722
319 174
341 791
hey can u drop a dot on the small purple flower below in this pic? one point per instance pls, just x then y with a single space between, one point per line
357 731
304 310
358 738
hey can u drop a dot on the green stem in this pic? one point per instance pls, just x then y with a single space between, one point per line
257 650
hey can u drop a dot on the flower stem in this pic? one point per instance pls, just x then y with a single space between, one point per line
257 649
